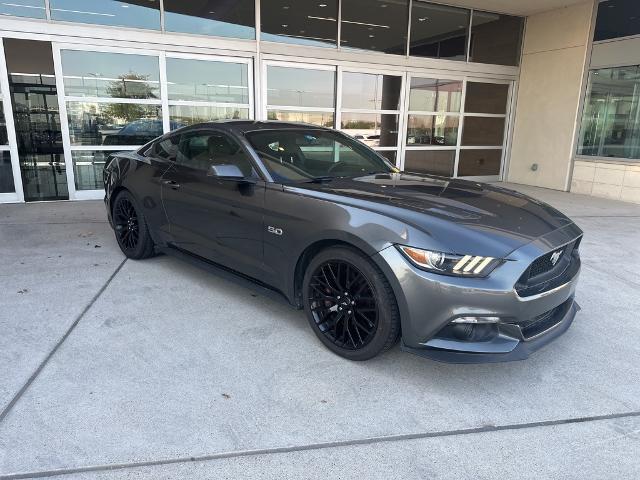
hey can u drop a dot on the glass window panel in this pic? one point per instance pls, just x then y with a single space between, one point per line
24 8
432 130
486 98
116 75
36 118
113 123
437 162
439 31
129 13
378 25
300 87
435 95
324 119
207 81
483 131
4 139
87 167
611 118
496 38
222 18
6 173
390 155
370 128
305 22
182 115
479 162
370 91
617 18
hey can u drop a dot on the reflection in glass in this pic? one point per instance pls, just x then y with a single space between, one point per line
182 115
617 18
486 98
437 162
113 123
378 25
441 130
323 119
24 8
6 173
390 155
300 87
370 128
87 167
438 31
116 75
435 95
495 38
479 162
126 13
37 119
370 91
483 131
206 81
304 22
4 139
611 118
222 18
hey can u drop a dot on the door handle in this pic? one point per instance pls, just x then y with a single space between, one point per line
172 183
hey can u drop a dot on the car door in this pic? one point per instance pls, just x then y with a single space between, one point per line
220 219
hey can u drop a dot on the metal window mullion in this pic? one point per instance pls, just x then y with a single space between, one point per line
468 56
408 49
7 105
47 10
448 148
164 93
339 39
463 99
293 108
136 101
162 29
402 141
197 103
337 117
64 122
102 148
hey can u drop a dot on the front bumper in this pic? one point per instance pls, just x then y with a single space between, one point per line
428 303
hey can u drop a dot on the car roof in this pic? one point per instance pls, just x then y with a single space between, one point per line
243 126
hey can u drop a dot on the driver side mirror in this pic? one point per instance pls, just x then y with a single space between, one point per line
228 171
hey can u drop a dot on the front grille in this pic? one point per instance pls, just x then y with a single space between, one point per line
544 263
544 274
537 325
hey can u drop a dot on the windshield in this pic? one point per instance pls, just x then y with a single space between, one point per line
308 154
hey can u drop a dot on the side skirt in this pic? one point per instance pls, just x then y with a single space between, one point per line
228 274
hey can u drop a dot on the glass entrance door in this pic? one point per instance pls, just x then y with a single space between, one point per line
32 84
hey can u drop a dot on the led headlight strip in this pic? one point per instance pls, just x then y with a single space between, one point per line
469 263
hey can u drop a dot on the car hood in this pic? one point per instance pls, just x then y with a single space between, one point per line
459 215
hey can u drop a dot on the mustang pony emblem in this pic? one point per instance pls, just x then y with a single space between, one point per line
555 257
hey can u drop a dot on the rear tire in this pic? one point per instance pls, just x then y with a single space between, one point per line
350 304
130 227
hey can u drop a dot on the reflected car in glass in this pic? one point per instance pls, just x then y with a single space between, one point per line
458 270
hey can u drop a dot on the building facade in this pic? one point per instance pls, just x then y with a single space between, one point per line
483 89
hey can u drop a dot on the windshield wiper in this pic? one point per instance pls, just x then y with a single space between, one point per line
321 179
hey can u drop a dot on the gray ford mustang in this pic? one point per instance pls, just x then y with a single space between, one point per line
458 270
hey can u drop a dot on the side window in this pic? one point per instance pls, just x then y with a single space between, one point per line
201 149
167 148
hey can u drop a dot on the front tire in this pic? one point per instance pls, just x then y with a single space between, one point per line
130 226
350 304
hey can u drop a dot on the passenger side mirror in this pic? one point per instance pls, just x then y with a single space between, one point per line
228 171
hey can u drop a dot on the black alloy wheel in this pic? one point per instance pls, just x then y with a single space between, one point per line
343 304
126 222
350 304
131 228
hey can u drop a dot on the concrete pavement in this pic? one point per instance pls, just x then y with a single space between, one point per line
145 365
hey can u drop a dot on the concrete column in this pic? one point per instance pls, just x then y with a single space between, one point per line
551 73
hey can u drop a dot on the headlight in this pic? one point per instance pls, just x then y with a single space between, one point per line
449 264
